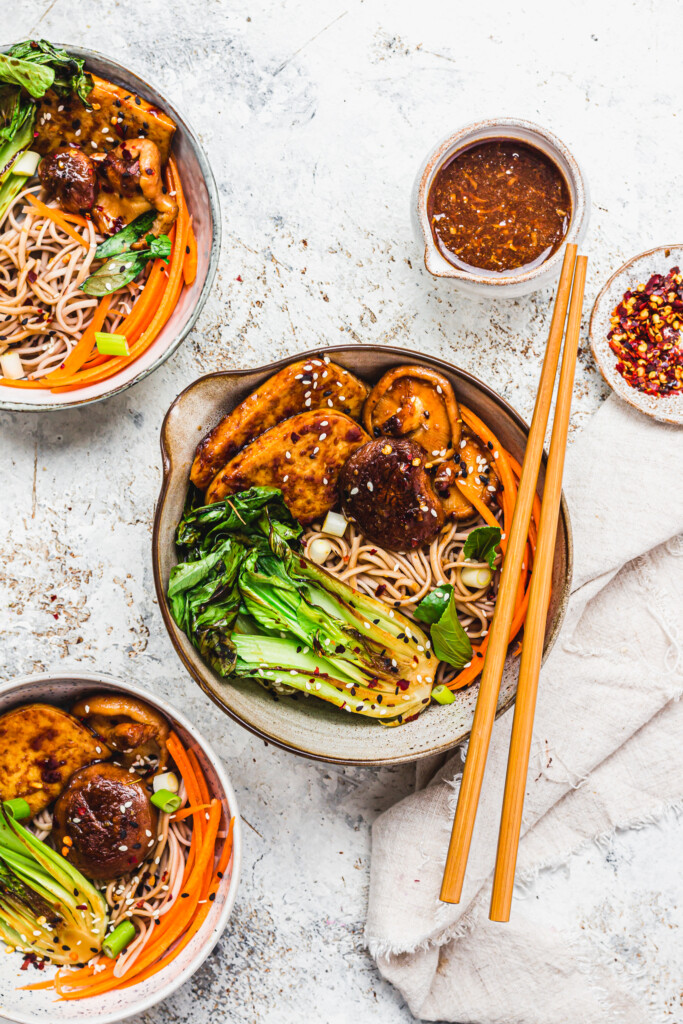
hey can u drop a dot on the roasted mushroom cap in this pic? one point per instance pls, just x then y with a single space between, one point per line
473 463
106 814
416 403
69 175
385 487
127 725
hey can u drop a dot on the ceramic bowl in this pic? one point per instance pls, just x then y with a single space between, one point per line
202 200
312 727
512 284
38 1007
668 408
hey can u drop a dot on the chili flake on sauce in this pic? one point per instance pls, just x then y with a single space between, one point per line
499 206
645 335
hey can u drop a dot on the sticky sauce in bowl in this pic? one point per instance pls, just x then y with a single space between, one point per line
499 207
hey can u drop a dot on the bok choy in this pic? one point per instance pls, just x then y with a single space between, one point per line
47 907
256 608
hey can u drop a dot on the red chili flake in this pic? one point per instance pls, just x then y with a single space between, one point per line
32 276
403 684
239 278
645 335
53 597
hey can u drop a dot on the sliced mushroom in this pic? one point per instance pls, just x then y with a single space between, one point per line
474 463
416 403
127 725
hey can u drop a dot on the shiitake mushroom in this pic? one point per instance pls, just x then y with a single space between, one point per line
418 404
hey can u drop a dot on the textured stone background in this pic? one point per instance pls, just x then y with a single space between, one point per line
315 116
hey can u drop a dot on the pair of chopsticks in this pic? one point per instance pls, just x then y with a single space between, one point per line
572 282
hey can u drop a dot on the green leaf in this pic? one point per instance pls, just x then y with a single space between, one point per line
121 270
36 79
68 74
449 640
482 544
431 608
124 239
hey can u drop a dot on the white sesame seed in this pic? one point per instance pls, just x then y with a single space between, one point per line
288 455
123 849
438 389
325 481
354 490
370 487
330 402
433 511
322 437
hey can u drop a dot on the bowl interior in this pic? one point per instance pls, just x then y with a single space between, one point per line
202 200
36 1007
311 727
669 408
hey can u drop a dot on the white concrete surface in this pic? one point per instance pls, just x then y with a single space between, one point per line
315 116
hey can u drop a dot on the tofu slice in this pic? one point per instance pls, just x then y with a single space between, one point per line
303 456
305 385
41 746
117 114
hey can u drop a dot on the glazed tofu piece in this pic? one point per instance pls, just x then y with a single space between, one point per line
117 115
40 748
308 384
303 456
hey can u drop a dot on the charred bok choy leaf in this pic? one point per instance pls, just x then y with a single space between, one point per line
47 907
256 608
49 66
121 270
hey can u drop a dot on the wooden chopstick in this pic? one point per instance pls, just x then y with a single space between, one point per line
499 632
535 623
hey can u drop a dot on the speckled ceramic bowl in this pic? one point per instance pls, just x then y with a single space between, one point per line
512 284
668 408
41 1006
312 727
202 200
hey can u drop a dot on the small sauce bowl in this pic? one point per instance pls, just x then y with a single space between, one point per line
483 284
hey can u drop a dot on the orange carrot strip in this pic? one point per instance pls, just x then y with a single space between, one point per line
185 812
483 510
58 218
80 352
190 261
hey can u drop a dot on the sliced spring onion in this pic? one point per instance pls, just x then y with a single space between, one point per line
18 808
319 550
442 695
117 940
335 524
166 781
166 801
26 165
111 344
475 579
10 364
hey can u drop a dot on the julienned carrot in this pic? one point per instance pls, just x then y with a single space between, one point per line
483 509
59 220
199 919
185 812
190 260
81 351
179 755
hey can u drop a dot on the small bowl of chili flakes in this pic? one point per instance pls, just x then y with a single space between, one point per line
494 204
636 332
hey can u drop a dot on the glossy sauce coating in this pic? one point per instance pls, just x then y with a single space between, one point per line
499 206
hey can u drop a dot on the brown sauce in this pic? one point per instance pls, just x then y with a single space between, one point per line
499 206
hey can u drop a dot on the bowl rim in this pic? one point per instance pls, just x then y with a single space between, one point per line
216 235
637 399
99 678
457 140
407 356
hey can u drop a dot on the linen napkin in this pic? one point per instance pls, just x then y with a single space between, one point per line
606 753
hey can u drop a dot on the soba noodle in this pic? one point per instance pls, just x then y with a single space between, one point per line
401 580
43 312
